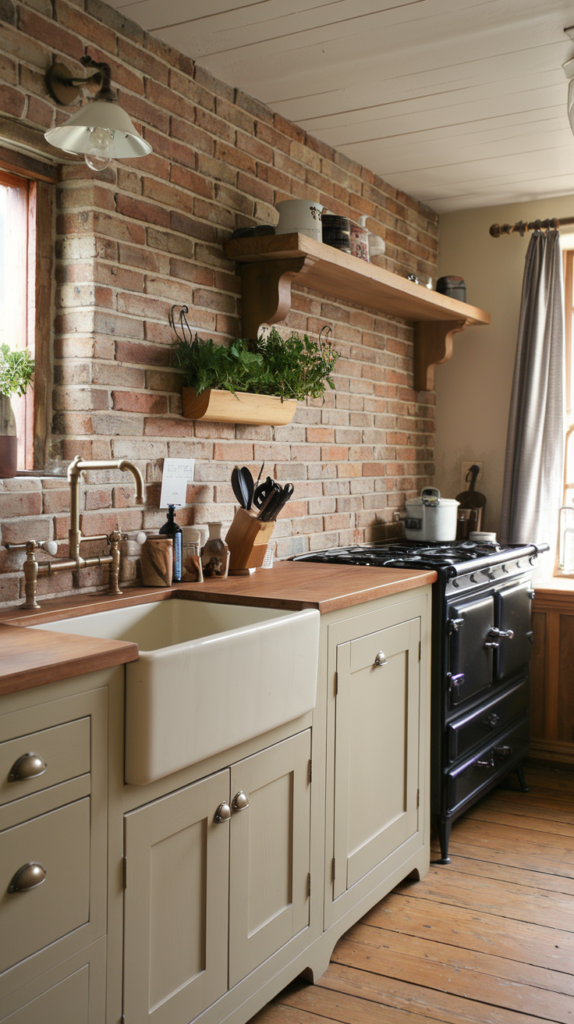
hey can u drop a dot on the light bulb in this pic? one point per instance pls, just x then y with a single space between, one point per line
100 151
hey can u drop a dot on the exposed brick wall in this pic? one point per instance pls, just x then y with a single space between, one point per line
143 235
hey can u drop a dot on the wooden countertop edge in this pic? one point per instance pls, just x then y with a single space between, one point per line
219 593
59 654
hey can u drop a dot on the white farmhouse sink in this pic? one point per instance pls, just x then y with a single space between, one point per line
208 676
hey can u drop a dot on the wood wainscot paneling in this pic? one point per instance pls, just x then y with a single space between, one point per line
552 674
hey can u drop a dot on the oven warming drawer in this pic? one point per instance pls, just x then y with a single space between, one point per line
493 760
471 729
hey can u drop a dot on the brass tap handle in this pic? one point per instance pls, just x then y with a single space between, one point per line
30 576
114 583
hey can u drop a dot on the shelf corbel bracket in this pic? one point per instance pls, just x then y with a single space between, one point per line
433 345
266 291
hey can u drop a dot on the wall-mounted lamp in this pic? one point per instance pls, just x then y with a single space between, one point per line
568 69
100 131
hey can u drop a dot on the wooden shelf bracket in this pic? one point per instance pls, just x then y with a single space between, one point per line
266 291
433 345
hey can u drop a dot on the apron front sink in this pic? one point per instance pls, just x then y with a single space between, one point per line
208 676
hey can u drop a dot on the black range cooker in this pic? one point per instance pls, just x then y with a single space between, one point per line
481 644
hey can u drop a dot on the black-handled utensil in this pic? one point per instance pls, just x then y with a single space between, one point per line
262 492
239 488
269 502
247 478
282 500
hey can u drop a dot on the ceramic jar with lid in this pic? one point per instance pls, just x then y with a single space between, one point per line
215 554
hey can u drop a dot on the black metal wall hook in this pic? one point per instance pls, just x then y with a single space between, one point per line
183 324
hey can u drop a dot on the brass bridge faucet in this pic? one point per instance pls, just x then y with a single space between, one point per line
75 560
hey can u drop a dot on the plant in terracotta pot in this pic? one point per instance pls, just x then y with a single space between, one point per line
16 372
252 381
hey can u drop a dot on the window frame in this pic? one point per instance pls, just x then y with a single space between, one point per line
568 275
33 412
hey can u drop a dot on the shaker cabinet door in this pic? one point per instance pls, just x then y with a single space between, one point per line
269 842
376 749
176 904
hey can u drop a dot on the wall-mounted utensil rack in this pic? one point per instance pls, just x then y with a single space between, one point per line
269 265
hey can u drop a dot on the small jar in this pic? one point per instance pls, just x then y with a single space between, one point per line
192 571
359 242
215 554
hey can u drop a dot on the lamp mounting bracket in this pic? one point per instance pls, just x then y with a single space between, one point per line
65 89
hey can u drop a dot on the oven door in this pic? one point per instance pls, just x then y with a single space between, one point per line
514 613
470 669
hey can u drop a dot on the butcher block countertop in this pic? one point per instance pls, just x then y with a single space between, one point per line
35 657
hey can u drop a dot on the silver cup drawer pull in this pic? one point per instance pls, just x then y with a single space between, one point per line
223 813
240 801
28 766
29 876
380 659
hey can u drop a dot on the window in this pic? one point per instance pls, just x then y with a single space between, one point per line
26 268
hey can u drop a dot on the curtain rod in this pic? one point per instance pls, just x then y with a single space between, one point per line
496 230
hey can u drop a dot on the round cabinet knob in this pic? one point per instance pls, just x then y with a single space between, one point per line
30 876
380 659
28 766
240 801
223 813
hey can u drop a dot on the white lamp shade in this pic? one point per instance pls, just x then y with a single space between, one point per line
571 103
74 136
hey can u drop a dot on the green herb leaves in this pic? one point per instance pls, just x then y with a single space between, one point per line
16 371
289 368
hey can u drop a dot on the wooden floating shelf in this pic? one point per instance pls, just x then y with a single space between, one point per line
269 265
217 406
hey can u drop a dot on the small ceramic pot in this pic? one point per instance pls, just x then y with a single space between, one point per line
8 456
301 215
215 554
8 440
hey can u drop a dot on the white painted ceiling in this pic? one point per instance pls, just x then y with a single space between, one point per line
460 103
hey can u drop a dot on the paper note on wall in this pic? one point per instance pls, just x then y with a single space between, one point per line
177 473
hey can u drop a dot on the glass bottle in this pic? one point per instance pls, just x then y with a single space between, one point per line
215 554
171 529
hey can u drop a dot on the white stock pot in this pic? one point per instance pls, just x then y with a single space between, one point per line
430 517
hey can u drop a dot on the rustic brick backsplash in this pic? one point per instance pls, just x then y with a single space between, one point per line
148 233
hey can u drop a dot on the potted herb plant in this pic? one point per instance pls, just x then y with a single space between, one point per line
252 381
16 372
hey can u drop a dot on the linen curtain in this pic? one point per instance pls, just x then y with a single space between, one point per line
532 492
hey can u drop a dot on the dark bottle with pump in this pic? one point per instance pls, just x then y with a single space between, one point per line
171 529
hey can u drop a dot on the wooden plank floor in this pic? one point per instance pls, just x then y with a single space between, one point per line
488 939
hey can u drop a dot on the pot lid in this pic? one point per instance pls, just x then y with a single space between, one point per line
430 497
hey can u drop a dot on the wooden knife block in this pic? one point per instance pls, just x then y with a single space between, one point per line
247 540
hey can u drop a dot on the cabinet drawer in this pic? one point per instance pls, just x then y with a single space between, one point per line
472 729
64 750
60 842
505 750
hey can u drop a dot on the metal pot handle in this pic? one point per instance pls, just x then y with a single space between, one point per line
430 495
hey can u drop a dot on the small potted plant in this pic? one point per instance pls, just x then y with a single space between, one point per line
252 381
16 372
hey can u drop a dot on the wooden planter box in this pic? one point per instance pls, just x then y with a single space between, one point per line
241 407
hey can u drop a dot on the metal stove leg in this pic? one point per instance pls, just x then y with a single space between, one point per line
521 779
444 835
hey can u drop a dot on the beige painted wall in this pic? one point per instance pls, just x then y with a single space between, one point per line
473 389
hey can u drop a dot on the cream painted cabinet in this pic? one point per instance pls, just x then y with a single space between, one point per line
376 749
53 853
211 891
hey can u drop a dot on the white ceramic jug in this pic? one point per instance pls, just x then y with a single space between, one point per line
300 215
